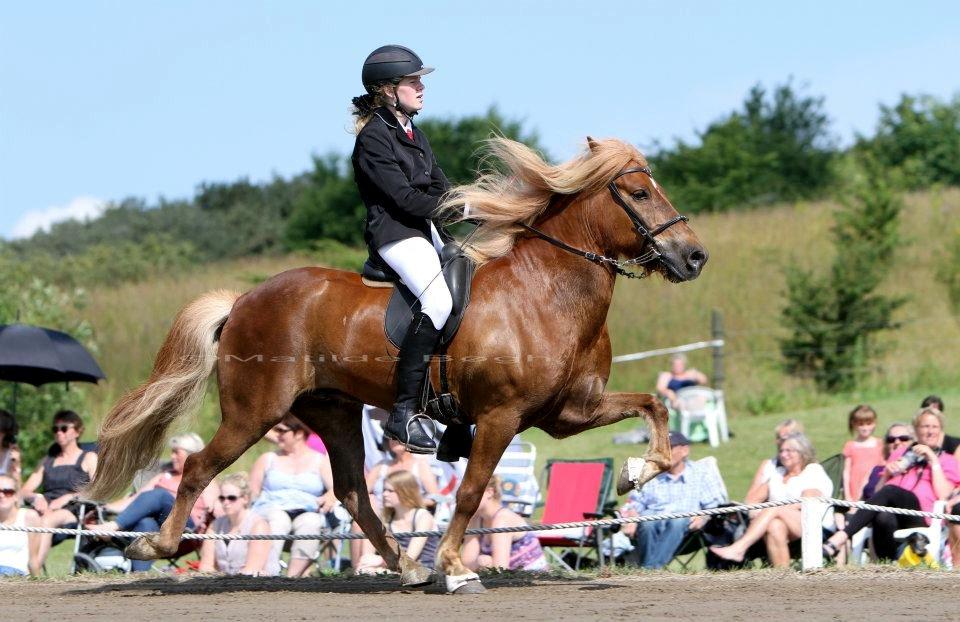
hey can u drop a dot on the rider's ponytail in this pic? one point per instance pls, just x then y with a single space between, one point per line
363 107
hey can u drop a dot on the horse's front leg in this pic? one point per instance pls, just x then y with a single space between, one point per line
493 436
615 407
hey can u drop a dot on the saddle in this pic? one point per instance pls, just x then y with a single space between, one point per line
440 404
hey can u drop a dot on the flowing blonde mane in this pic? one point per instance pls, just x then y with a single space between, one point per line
519 186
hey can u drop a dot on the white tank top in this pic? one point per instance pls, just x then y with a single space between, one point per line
14 548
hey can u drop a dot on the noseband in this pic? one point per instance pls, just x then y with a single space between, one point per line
641 228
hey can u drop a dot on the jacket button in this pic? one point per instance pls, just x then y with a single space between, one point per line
421 154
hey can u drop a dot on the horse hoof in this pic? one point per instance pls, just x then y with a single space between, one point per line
143 548
471 587
635 473
417 576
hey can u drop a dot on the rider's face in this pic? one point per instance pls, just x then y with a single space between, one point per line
410 92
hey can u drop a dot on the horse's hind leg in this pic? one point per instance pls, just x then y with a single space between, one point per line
245 421
338 422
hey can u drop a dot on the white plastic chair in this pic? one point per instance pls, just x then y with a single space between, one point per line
704 404
521 490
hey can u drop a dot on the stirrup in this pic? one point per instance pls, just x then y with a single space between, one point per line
415 449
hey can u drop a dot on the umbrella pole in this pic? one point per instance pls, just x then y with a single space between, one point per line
13 409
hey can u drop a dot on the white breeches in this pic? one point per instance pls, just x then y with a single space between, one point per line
417 262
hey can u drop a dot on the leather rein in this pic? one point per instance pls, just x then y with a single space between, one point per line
639 226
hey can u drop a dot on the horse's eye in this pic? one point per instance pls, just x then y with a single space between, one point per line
641 194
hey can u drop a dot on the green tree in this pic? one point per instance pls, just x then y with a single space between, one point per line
329 207
832 317
920 138
777 148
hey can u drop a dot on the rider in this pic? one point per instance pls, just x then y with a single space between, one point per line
401 185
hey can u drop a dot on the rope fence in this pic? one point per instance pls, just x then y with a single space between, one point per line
813 510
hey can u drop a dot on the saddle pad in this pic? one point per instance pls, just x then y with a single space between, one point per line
458 274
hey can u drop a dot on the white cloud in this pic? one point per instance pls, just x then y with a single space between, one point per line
80 208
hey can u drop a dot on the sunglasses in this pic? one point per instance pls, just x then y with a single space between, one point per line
230 498
902 438
61 428
7 492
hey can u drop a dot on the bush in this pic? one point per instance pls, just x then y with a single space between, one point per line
776 149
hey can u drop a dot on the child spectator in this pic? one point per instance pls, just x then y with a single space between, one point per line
249 557
9 452
861 454
18 550
404 510
511 551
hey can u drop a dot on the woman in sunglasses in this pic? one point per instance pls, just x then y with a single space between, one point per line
61 474
898 435
146 509
256 558
18 550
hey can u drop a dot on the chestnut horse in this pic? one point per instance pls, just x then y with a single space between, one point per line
533 348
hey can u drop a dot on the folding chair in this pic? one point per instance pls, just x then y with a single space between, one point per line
576 490
516 469
702 404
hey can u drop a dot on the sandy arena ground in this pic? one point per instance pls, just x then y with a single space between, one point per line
878 594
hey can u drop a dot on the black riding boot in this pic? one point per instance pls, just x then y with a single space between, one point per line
405 424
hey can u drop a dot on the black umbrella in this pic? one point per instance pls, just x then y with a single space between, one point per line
41 355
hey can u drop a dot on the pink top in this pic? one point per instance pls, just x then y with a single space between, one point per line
863 458
918 480
315 443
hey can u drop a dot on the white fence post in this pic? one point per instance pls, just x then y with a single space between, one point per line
812 511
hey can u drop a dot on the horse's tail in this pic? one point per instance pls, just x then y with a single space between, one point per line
133 432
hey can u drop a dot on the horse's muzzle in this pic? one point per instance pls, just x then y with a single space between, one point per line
685 263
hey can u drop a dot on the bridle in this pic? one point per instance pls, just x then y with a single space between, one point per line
641 228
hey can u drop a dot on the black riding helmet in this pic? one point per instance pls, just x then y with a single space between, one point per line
388 64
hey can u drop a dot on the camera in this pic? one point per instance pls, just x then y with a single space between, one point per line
911 459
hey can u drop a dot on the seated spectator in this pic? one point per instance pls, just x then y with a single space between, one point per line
417 465
798 476
9 452
258 558
404 510
684 488
758 488
61 476
18 550
913 478
861 454
146 509
679 377
508 551
293 491
898 435
949 444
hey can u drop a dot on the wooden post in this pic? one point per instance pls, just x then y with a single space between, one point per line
812 511
716 333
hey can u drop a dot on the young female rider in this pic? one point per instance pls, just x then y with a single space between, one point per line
401 185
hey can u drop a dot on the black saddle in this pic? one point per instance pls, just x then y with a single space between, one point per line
457 272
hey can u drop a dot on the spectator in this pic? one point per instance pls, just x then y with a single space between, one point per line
758 490
249 557
293 491
18 550
914 478
509 551
404 510
949 444
798 475
9 452
679 377
60 475
684 488
861 454
417 465
146 509
898 435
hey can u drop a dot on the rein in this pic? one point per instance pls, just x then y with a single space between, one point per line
639 226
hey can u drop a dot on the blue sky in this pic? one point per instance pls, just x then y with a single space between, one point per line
104 100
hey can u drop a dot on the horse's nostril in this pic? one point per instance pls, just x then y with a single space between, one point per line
696 259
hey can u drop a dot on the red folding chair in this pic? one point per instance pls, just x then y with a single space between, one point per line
577 490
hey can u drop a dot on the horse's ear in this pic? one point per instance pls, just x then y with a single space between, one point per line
593 144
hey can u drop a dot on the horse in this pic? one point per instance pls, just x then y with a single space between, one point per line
533 348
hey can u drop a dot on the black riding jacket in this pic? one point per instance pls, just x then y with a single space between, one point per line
399 181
